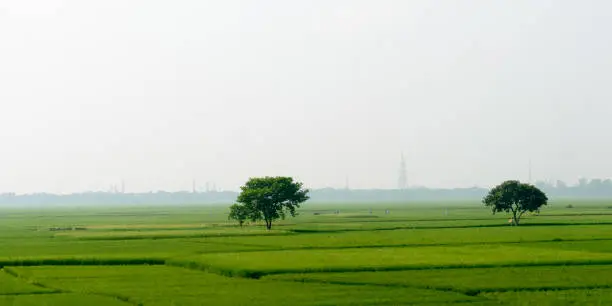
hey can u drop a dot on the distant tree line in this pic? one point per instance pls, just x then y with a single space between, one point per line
594 189
586 188
328 195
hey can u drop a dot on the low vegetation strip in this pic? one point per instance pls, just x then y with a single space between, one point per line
76 261
153 226
62 299
98 235
12 285
468 291
409 237
257 264
163 285
172 234
474 280
533 243
561 297
51 289
438 225
257 274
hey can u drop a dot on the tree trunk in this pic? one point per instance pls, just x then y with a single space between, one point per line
268 224
519 217
516 220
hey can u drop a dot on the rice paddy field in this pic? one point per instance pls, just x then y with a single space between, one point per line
454 253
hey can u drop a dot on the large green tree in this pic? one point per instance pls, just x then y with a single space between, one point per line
515 197
270 198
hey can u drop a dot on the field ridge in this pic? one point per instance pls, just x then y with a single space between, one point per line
16 275
85 261
54 290
377 246
257 274
468 292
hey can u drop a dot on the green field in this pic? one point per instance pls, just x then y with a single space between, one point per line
419 254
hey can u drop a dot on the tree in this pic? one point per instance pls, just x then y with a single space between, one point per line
238 213
515 197
270 198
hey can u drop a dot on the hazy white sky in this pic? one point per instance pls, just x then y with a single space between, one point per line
159 92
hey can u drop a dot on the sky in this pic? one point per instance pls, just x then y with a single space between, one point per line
158 93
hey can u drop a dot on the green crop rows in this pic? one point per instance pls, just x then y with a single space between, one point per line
419 254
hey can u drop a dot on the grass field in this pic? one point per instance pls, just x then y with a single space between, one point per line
419 254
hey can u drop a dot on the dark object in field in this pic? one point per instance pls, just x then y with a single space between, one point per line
360 216
316 214
569 206
74 228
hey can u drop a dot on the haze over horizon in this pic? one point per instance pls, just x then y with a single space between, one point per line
158 93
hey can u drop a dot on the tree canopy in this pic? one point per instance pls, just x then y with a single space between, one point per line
515 197
270 198
238 213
